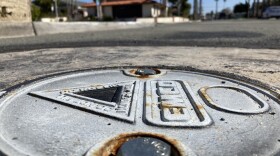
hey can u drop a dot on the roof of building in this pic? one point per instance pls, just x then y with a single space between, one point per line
119 2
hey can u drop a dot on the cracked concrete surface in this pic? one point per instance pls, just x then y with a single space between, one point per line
258 64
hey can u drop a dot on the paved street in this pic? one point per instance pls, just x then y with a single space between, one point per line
243 48
238 33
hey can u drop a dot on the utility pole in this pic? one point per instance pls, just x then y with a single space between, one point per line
165 3
195 9
248 8
216 15
254 8
200 8
99 10
56 10
68 9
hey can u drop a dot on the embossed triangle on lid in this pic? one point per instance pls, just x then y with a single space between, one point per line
112 94
116 100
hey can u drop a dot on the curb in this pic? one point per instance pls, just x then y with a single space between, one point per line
16 29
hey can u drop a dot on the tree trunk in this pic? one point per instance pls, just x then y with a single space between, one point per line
258 8
248 9
179 8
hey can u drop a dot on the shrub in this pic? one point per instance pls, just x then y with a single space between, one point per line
36 12
107 18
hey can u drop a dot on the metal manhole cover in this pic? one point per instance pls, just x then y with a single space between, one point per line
107 111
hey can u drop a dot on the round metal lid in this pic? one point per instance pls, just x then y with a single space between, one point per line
98 112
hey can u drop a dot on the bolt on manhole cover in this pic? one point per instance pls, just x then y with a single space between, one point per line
118 112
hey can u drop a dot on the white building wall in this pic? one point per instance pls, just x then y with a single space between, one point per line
150 10
146 10
156 11
107 11
162 20
91 11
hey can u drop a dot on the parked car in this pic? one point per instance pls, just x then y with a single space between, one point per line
272 12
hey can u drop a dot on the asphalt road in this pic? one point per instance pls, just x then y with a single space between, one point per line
256 34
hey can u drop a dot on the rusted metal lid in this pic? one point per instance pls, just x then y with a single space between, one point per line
109 111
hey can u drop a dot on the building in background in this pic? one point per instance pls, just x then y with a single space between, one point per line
15 10
127 9
72 9
58 10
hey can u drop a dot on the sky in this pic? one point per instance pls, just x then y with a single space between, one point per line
210 5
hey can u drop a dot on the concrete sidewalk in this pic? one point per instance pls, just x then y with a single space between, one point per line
44 28
261 66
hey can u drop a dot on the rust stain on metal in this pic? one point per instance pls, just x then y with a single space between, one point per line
144 76
66 90
205 95
277 93
97 85
148 94
199 106
148 104
177 111
168 105
157 70
110 148
133 72
12 93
